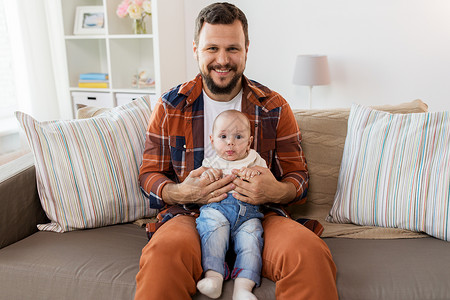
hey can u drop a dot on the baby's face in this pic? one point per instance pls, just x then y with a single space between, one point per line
231 137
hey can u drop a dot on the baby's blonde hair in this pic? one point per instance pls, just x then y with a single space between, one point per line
232 112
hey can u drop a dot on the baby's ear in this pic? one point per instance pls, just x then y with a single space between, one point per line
211 139
250 140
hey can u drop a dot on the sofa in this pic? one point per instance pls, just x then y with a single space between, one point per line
101 263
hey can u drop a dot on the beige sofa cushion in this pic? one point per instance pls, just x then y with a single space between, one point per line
86 112
324 132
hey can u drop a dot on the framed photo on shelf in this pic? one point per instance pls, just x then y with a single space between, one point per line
89 20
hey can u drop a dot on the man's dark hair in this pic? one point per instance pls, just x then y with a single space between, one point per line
220 13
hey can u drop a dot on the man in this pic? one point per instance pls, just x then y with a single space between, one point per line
177 141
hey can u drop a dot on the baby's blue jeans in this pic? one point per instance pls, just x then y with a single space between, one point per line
239 220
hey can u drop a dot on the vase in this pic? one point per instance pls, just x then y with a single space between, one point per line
139 26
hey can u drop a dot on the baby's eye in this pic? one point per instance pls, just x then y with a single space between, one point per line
238 136
223 136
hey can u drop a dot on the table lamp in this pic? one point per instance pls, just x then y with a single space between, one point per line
311 70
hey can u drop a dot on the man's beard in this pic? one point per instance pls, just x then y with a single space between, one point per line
221 90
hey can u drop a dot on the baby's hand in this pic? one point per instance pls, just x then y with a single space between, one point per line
247 173
212 174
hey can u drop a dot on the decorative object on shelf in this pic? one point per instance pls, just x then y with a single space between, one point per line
311 70
137 10
142 80
89 20
93 80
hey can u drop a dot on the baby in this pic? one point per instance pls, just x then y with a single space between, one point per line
231 139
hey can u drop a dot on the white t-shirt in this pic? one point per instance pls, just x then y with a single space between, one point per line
212 109
252 159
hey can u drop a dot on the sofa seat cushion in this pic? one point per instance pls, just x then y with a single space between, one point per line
391 269
89 264
95 264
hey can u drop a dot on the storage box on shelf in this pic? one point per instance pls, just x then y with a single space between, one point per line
99 99
118 52
123 98
92 99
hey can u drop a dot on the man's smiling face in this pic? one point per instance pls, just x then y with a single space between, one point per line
221 54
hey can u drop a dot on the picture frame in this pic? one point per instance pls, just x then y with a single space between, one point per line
89 20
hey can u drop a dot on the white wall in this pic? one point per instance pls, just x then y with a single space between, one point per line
379 51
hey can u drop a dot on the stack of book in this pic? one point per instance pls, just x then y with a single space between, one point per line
93 80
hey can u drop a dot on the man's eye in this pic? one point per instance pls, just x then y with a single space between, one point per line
212 49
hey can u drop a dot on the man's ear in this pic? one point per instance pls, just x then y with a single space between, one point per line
194 49
246 50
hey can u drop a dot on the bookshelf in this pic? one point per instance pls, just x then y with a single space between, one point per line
117 51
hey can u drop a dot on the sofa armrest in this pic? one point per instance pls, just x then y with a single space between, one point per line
20 208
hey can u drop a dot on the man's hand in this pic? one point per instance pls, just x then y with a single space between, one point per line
199 189
263 188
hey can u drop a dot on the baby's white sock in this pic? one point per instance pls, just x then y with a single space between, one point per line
211 285
243 289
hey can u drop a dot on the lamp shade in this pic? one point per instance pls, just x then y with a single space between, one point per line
311 70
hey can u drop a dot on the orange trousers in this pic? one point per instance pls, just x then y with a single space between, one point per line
293 256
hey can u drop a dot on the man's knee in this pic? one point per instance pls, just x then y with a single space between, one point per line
177 238
291 252
171 258
291 242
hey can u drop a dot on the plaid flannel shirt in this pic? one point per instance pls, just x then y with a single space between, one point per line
174 143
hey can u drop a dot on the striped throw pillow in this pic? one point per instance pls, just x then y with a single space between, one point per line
87 170
395 172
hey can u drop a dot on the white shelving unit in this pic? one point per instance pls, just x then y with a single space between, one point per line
118 52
